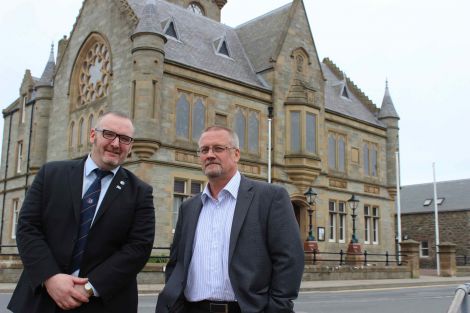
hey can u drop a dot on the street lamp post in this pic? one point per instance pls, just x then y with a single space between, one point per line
310 244
310 195
354 255
353 203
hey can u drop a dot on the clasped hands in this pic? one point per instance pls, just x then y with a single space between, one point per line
67 291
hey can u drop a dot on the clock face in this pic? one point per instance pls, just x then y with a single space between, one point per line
195 8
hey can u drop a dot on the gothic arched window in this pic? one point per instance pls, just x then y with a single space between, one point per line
91 76
182 117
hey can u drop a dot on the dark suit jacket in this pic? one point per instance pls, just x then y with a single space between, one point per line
266 258
119 242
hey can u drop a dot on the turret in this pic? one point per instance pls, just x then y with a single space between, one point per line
40 108
148 54
388 115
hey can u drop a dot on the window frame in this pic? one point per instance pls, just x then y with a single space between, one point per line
192 100
368 168
337 149
15 211
332 223
422 249
367 224
183 196
303 130
19 156
247 112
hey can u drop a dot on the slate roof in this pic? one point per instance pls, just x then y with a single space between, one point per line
198 36
387 109
352 107
262 36
456 194
48 73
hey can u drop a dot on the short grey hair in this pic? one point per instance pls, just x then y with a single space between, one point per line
233 135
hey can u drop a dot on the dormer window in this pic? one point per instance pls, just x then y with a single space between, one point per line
345 92
196 8
221 47
170 30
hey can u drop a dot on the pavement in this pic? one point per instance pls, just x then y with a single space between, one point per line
331 285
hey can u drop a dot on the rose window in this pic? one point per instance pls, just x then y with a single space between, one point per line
94 76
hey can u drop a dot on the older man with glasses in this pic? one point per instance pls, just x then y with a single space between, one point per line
237 245
85 230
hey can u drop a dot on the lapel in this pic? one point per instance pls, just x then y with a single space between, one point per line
193 210
76 185
244 198
118 184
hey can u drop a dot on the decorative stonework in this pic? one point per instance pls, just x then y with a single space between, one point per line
338 183
249 169
126 9
372 189
186 157
145 148
302 170
92 72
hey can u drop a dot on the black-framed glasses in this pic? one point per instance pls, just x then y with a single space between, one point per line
215 149
109 134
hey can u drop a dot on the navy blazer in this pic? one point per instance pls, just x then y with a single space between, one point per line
119 242
266 258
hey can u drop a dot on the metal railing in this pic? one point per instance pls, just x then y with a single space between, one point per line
462 259
385 258
460 302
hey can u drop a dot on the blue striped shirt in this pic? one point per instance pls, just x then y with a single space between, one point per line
208 277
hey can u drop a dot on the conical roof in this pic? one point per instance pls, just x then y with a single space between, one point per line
47 76
387 109
148 19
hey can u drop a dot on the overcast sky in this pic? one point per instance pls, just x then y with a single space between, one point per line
421 46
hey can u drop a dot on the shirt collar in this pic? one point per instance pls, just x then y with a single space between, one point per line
90 165
231 187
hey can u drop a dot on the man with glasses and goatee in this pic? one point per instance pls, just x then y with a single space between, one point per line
237 245
85 230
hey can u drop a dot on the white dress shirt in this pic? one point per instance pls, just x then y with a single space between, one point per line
208 277
88 177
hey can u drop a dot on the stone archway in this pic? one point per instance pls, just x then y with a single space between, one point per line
300 210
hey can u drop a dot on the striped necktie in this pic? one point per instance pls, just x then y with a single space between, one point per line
87 212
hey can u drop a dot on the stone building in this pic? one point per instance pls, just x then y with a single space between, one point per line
418 218
176 69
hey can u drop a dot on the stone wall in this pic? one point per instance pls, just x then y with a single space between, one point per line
453 227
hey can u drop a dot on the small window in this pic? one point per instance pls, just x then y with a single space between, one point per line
19 157
427 202
424 249
196 8
15 211
171 30
440 201
223 48
345 93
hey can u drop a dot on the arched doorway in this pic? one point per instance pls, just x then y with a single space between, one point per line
301 215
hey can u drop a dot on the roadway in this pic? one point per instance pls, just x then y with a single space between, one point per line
424 299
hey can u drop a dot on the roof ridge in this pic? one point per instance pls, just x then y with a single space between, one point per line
263 16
